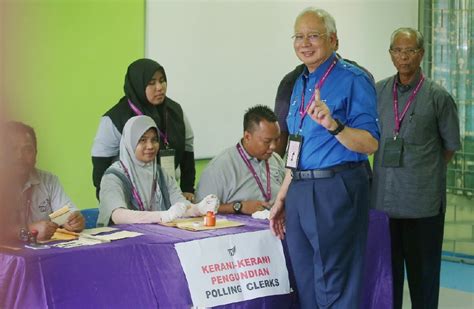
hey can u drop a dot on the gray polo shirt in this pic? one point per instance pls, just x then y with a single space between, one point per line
417 189
47 196
228 177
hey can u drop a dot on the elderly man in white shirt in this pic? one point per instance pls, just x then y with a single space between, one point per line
42 194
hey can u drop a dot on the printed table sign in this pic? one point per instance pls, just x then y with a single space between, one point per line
233 268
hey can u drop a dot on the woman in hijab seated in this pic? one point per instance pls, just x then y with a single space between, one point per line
136 190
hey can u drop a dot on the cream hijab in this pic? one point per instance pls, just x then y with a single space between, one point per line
142 175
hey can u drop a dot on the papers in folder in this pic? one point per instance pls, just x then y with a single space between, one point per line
197 224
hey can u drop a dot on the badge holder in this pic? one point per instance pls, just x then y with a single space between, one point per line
167 161
293 151
392 152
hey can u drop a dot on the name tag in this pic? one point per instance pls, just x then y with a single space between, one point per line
167 161
293 151
392 152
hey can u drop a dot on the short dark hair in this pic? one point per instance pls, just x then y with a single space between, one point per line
254 115
20 127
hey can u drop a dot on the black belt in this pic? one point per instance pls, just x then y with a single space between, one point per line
324 173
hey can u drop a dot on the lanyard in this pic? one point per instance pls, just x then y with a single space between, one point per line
28 194
138 112
135 193
268 194
399 117
303 111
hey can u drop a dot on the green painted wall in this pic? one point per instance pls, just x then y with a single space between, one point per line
65 62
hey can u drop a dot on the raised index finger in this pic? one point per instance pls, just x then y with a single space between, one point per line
317 96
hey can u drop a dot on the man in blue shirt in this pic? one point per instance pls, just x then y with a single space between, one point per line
323 203
283 96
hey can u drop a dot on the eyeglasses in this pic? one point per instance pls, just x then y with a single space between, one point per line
397 52
313 37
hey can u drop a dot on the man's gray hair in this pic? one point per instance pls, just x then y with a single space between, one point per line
327 18
420 42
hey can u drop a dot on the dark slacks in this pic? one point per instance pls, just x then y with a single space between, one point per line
417 244
326 232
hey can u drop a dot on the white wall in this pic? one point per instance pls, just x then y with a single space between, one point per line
223 56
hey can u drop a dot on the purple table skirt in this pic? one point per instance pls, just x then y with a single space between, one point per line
144 272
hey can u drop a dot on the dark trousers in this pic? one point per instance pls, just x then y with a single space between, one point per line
417 243
326 232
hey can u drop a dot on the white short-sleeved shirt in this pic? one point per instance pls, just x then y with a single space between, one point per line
47 195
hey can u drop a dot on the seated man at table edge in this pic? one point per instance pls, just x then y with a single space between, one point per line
136 189
41 192
247 176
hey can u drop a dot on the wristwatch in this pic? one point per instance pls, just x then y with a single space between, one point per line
339 128
237 207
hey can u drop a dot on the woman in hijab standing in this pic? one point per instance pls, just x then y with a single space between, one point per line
136 190
145 94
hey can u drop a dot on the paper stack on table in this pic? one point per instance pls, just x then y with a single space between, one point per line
87 237
63 234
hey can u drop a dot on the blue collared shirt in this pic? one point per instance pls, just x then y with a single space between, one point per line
350 97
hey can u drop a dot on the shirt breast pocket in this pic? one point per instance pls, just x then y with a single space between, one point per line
276 175
45 206
419 129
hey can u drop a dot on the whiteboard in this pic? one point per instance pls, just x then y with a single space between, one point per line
222 57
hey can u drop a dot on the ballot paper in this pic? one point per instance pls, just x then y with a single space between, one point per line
37 246
63 234
89 240
60 216
99 230
175 222
82 241
117 235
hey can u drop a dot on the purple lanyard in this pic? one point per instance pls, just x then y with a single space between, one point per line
139 113
135 193
303 111
268 194
399 117
29 195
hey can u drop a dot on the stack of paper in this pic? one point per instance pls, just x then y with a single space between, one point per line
60 216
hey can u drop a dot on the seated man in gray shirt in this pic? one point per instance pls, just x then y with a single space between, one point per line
247 176
41 193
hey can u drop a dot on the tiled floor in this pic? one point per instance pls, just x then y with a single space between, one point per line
457 287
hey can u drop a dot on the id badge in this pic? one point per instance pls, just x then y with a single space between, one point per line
167 161
293 151
392 152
